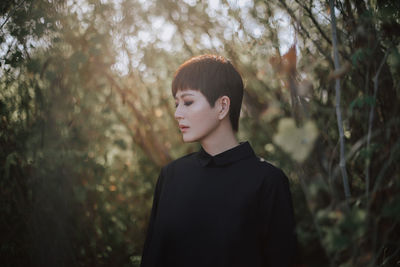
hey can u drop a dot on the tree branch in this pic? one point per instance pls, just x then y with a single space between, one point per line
371 119
354 148
342 163
292 15
11 13
382 172
143 135
311 16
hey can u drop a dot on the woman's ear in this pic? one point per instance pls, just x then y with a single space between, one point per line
223 105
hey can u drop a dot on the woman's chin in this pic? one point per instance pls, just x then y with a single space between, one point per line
189 139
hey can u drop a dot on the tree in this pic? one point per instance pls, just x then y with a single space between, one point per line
87 119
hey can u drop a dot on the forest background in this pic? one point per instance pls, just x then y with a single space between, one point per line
86 120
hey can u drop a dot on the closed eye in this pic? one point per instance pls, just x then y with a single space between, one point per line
187 103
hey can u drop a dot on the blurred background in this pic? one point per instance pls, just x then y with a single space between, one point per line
86 120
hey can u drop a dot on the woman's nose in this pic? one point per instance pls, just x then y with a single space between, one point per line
178 113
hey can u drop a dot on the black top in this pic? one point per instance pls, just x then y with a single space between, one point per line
231 209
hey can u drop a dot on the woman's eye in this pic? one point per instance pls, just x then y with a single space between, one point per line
187 103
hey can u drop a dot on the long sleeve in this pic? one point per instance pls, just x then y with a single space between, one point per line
146 255
278 221
228 210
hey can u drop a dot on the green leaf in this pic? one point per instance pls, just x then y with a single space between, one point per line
297 142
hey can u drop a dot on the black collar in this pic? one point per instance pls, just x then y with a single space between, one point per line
241 151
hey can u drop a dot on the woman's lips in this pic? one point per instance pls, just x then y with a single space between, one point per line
183 127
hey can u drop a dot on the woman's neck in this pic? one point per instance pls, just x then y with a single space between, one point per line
220 141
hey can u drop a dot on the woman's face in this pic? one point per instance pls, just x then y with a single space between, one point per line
196 118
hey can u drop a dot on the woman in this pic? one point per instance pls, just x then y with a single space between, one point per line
223 205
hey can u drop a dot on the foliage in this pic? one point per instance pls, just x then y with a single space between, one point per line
86 120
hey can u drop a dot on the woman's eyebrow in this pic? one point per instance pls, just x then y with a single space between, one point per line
185 94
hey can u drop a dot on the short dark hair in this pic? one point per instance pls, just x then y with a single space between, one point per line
214 76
